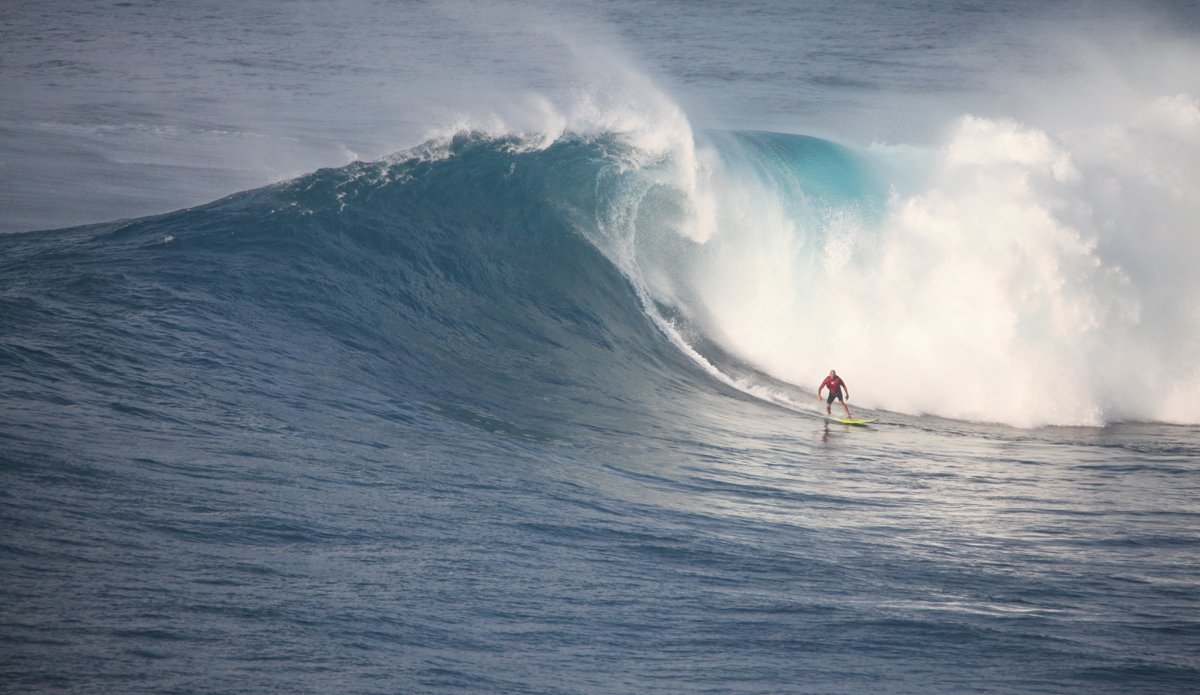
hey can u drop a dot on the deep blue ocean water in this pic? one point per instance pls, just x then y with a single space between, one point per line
510 389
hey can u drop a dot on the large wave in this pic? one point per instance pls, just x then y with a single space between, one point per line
1010 275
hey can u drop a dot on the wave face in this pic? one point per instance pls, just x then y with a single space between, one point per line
455 276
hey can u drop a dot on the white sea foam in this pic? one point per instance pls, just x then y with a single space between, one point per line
1030 279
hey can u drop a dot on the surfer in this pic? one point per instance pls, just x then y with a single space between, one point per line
835 385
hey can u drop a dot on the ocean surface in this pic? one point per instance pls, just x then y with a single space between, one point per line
435 347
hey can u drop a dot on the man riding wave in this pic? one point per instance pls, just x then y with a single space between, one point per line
835 385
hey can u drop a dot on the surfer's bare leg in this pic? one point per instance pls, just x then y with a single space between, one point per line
845 408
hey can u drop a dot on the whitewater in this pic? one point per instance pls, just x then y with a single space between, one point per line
393 347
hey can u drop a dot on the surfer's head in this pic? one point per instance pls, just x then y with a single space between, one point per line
832 373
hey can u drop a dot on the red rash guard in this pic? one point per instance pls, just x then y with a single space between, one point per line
833 383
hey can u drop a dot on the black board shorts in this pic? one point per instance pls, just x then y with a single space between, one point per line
832 395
